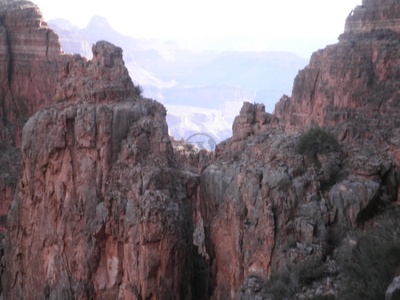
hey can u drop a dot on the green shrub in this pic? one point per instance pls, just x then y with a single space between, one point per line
315 141
370 262
285 284
138 90
310 270
281 285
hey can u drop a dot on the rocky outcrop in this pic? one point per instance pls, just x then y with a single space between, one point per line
100 211
266 208
35 74
393 290
353 85
28 51
102 79
106 208
374 16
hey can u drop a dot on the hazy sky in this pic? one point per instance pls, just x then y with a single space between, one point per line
216 24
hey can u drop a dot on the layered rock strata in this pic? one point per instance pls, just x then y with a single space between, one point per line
354 84
35 74
28 72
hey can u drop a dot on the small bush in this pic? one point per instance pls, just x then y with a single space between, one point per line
370 262
285 283
138 90
310 270
316 141
281 285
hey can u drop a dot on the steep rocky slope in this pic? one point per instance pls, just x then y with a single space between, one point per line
108 208
266 208
100 210
35 74
354 84
28 51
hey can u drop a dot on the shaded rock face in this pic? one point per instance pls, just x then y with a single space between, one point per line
100 211
107 209
10 168
266 208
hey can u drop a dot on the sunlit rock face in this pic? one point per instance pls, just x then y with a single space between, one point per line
354 84
35 74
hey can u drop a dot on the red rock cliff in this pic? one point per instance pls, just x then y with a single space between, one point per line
28 51
103 209
100 211
35 74
355 83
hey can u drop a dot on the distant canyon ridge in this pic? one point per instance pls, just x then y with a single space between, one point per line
202 92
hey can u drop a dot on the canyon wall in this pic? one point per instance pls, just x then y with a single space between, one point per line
100 211
28 52
266 208
106 207
354 84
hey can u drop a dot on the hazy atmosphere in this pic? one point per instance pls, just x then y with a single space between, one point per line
287 25
202 60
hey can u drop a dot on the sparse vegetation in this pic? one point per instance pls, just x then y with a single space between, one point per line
291 243
370 260
315 141
138 90
285 284
60 100
282 285
310 270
